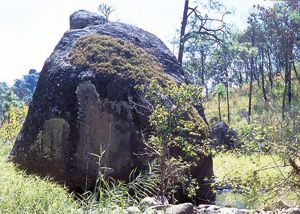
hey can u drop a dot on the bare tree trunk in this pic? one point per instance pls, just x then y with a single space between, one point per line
289 92
250 91
227 97
289 76
251 79
296 73
203 73
263 75
182 31
256 72
285 84
219 107
270 70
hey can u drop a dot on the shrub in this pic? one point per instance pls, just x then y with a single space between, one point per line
175 123
12 125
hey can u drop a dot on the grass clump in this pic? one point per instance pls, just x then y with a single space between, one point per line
20 193
109 55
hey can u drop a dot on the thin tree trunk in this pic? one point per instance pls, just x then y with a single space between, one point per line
182 31
203 73
263 75
289 92
289 77
227 97
296 73
240 78
270 70
255 72
285 84
219 107
250 91
251 78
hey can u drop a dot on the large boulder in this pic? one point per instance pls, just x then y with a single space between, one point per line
81 118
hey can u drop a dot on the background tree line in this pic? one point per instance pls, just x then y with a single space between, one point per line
212 52
17 95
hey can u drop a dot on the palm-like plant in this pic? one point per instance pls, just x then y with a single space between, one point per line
220 92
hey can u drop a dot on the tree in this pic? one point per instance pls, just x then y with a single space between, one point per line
182 31
7 99
194 23
220 92
105 10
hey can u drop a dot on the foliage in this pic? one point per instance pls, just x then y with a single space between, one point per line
7 98
263 169
286 144
255 178
106 10
255 137
175 124
15 118
114 196
220 90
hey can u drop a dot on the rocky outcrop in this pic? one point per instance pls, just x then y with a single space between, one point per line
81 121
223 136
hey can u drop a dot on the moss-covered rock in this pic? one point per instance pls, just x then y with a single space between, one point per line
108 55
81 117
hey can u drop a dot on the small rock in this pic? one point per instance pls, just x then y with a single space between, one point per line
241 211
204 206
212 208
160 207
150 211
201 210
133 210
226 210
151 201
185 208
148 202
293 210
162 200
81 19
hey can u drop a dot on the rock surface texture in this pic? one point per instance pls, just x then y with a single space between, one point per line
82 106
223 136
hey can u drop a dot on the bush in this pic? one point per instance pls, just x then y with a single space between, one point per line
12 125
175 123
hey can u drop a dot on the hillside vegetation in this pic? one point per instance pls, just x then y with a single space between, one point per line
259 171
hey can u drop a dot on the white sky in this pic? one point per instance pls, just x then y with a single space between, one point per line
30 29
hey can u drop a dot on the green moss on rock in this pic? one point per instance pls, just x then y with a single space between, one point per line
109 55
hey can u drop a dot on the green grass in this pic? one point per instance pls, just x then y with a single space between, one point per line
20 193
258 179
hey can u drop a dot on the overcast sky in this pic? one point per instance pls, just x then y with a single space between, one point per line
30 29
